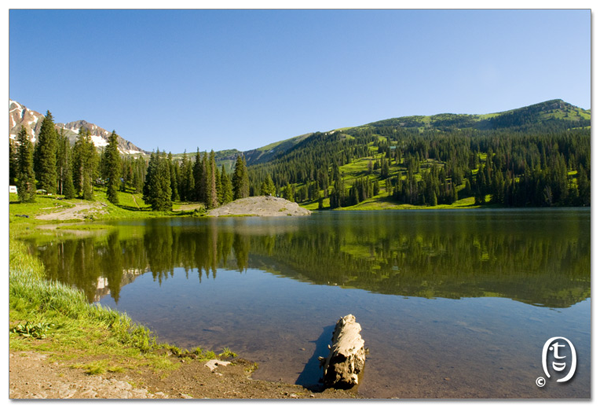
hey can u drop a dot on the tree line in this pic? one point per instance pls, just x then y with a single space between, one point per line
525 165
547 166
196 180
53 166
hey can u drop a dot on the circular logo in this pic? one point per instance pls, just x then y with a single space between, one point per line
540 382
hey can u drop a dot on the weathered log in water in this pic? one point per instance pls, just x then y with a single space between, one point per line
347 355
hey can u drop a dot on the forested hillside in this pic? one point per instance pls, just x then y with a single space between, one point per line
532 156
538 155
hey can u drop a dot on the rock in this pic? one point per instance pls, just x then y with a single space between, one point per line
263 206
212 364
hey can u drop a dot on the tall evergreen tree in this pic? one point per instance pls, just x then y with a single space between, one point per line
174 168
267 188
112 160
25 174
85 164
227 191
211 181
139 168
150 174
64 166
240 182
218 185
186 179
157 189
68 187
13 166
63 158
200 177
45 155
338 195
288 193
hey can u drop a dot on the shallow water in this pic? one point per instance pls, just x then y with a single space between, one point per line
452 304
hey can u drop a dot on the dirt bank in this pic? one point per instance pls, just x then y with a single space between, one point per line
36 376
78 212
263 206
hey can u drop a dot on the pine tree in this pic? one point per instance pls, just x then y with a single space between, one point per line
200 178
218 185
157 189
174 178
163 197
68 188
45 155
211 181
13 166
64 167
138 177
227 191
25 173
584 187
186 179
267 188
288 193
241 183
385 169
63 158
147 193
85 163
338 195
113 168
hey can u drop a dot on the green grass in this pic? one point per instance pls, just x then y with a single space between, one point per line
359 168
314 205
74 330
384 203
85 227
130 206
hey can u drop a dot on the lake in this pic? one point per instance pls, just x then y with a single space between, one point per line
452 304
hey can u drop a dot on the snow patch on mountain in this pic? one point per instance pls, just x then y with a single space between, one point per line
99 141
32 120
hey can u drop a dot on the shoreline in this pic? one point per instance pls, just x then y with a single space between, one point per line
61 365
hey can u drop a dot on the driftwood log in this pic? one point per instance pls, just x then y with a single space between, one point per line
346 359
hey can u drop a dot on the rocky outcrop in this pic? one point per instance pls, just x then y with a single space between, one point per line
263 206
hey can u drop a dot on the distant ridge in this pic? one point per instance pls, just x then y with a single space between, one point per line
555 112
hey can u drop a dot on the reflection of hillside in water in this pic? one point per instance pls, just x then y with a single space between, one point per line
545 263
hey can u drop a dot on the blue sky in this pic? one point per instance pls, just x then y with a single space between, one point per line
217 79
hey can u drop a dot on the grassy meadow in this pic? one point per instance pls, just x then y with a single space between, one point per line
56 319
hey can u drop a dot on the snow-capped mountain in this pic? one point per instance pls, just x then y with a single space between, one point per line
20 115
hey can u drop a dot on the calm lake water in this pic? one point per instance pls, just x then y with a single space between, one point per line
452 304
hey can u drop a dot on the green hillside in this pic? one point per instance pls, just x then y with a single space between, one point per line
537 155
555 112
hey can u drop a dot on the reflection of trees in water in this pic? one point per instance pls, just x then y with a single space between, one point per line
548 271
550 267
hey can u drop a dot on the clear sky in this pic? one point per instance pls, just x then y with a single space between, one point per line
219 79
